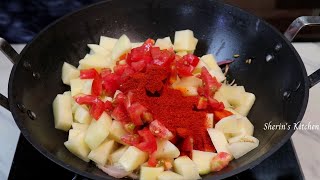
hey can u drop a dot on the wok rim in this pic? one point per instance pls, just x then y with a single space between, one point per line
53 158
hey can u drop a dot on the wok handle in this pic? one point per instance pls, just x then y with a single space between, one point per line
12 55
293 30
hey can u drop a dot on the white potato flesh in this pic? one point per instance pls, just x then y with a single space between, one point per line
184 40
184 166
203 161
132 158
79 126
150 173
218 139
69 72
101 154
213 67
62 112
117 131
168 175
164 43
210 121
165 149
242 145
78 147
220 97
246 103
233 94
81 86
136 44
107 42
122 46
229 124
73 133
82 115
188 81
98 130
96 61
182 53
116 155
245 126
96 49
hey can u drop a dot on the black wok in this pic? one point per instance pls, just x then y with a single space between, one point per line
276 75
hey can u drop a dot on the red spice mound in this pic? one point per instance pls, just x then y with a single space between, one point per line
169 107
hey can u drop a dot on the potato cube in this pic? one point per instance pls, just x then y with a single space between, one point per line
150 173
203 159
101 154
81 86
98 130
82 115
168 175
121 47
69 72
218 139
165 149
117 131
107 42
132 158
164 43
96 61
96 49
213 67
73 133
62 112
186 167
184 41
78 147
79 126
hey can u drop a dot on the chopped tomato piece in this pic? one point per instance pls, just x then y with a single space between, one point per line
105 72
88 99
120 68
97 109
131 139
108 107
129 127
162 57
159 130
173 74
147 117
111 84
202 103
220 161
187 144
149 143
120 113
218 115
211 85
183 132
215 105
152 162
135 111
139 66
187 64
119 99
88 73
141 53
96 88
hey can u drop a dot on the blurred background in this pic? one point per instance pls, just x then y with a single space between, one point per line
21 20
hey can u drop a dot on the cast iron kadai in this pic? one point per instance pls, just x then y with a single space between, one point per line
276 75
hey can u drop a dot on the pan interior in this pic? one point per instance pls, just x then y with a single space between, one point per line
275 70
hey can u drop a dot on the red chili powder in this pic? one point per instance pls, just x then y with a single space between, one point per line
169 107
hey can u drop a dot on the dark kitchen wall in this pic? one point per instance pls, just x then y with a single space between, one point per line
20 20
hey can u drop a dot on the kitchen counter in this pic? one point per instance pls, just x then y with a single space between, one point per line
306 142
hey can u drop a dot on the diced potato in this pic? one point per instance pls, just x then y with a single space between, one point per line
246 103
209 120
150 173
241 145
96 61
116 155
182 53
168 175
188 81
137 44
233 94
107 42
98 131
74 106
164 43
81 86
219 97
82 115
202 159
219 140
96 49
245 126
198 68
79 126
122 46
117 131
165 149
213 67
62 112
69 72
229 124
184 166
78 147
132 158
184 41
101 154
73 133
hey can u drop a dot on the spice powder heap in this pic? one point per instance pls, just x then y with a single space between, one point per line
169 106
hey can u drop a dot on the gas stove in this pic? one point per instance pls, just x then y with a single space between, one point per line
28 163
